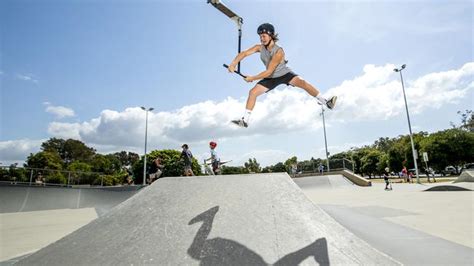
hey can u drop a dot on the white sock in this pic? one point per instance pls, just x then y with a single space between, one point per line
321 99
247 115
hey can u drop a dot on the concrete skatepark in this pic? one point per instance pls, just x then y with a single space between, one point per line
238 220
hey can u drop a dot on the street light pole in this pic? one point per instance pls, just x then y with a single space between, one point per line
409 123
325 140
146 133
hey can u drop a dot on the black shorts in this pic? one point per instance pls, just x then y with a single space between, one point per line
271 83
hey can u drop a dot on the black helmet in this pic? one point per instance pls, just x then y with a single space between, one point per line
266 28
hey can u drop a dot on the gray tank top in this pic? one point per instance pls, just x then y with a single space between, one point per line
266 57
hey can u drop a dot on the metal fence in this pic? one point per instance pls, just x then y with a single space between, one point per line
50 177
334 165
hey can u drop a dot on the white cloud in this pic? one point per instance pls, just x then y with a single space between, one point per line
279 112
29 78
436 89
374 95
377 94
59 111
17 150
64 130
335 149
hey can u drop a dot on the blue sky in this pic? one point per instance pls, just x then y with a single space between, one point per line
81 68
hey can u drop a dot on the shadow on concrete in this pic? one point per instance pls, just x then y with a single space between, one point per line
448 188
221 251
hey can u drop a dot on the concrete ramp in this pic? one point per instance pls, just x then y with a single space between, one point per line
466 176
27 199
465 182
213 220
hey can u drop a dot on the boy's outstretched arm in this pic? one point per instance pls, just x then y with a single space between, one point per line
242 55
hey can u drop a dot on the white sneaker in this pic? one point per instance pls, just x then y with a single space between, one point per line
331 102
240 122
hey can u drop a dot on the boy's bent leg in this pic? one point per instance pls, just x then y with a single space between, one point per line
251 100
253 94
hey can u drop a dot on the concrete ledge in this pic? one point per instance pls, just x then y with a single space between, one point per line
354 178
80 186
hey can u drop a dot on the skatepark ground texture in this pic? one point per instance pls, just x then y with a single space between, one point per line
235 220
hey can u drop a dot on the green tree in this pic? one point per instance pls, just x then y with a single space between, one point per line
467 121
13 173
127 158
170 159
107 164
79 167
307 166
382 163
290 161
53 145
357 156
69 150
384 144
44 160
449 147
278 168
369 161
253 166
4 175
116 164
400 154
75 150
81 173
234 170
49 161
110 180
